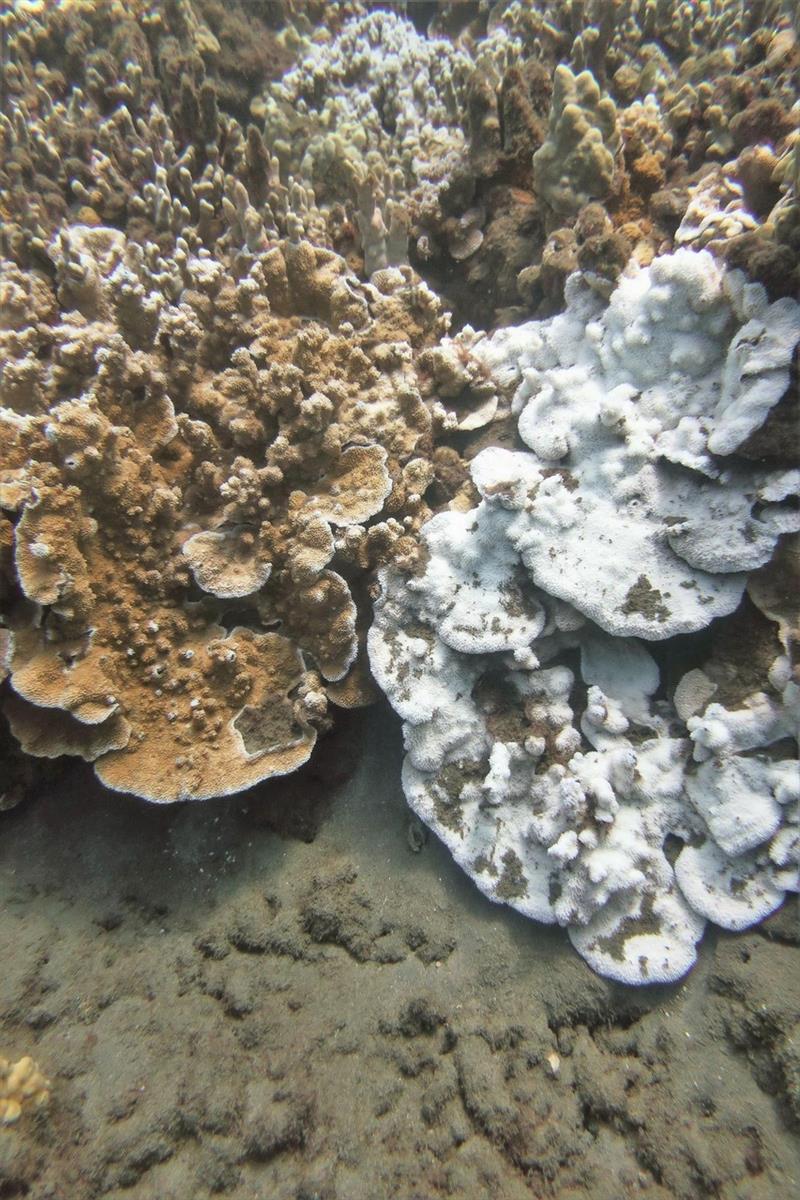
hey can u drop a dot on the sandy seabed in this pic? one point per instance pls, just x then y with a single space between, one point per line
296 995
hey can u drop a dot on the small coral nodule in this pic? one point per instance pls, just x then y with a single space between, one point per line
22 1086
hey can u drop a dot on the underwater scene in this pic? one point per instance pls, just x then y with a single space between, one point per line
399 600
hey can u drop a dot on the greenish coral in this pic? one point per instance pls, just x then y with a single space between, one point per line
577 161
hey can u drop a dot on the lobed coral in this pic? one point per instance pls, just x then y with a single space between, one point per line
537 747
22 1086
560 786
630 460
187 476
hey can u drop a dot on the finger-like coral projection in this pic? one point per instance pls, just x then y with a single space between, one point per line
191 475
576 162
22 1086
541 746
625 103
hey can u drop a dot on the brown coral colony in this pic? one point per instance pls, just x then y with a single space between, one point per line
197 444
145 544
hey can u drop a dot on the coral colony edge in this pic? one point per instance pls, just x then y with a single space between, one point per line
454 359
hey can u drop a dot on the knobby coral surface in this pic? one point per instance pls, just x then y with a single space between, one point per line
542 746
22 1086
190 477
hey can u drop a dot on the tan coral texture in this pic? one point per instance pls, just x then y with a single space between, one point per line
22 1086
189 476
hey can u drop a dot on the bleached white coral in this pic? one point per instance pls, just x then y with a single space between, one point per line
537 749
628 411
537 753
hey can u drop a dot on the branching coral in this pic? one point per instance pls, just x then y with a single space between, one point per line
113 117
576 162
377 96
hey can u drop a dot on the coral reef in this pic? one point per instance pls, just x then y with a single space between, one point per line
561 786
229 395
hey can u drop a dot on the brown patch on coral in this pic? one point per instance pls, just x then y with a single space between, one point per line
755 171
357 688
448 788
647 174
51 732
512 882
321 616
643 598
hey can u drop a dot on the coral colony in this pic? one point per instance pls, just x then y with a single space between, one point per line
460 362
